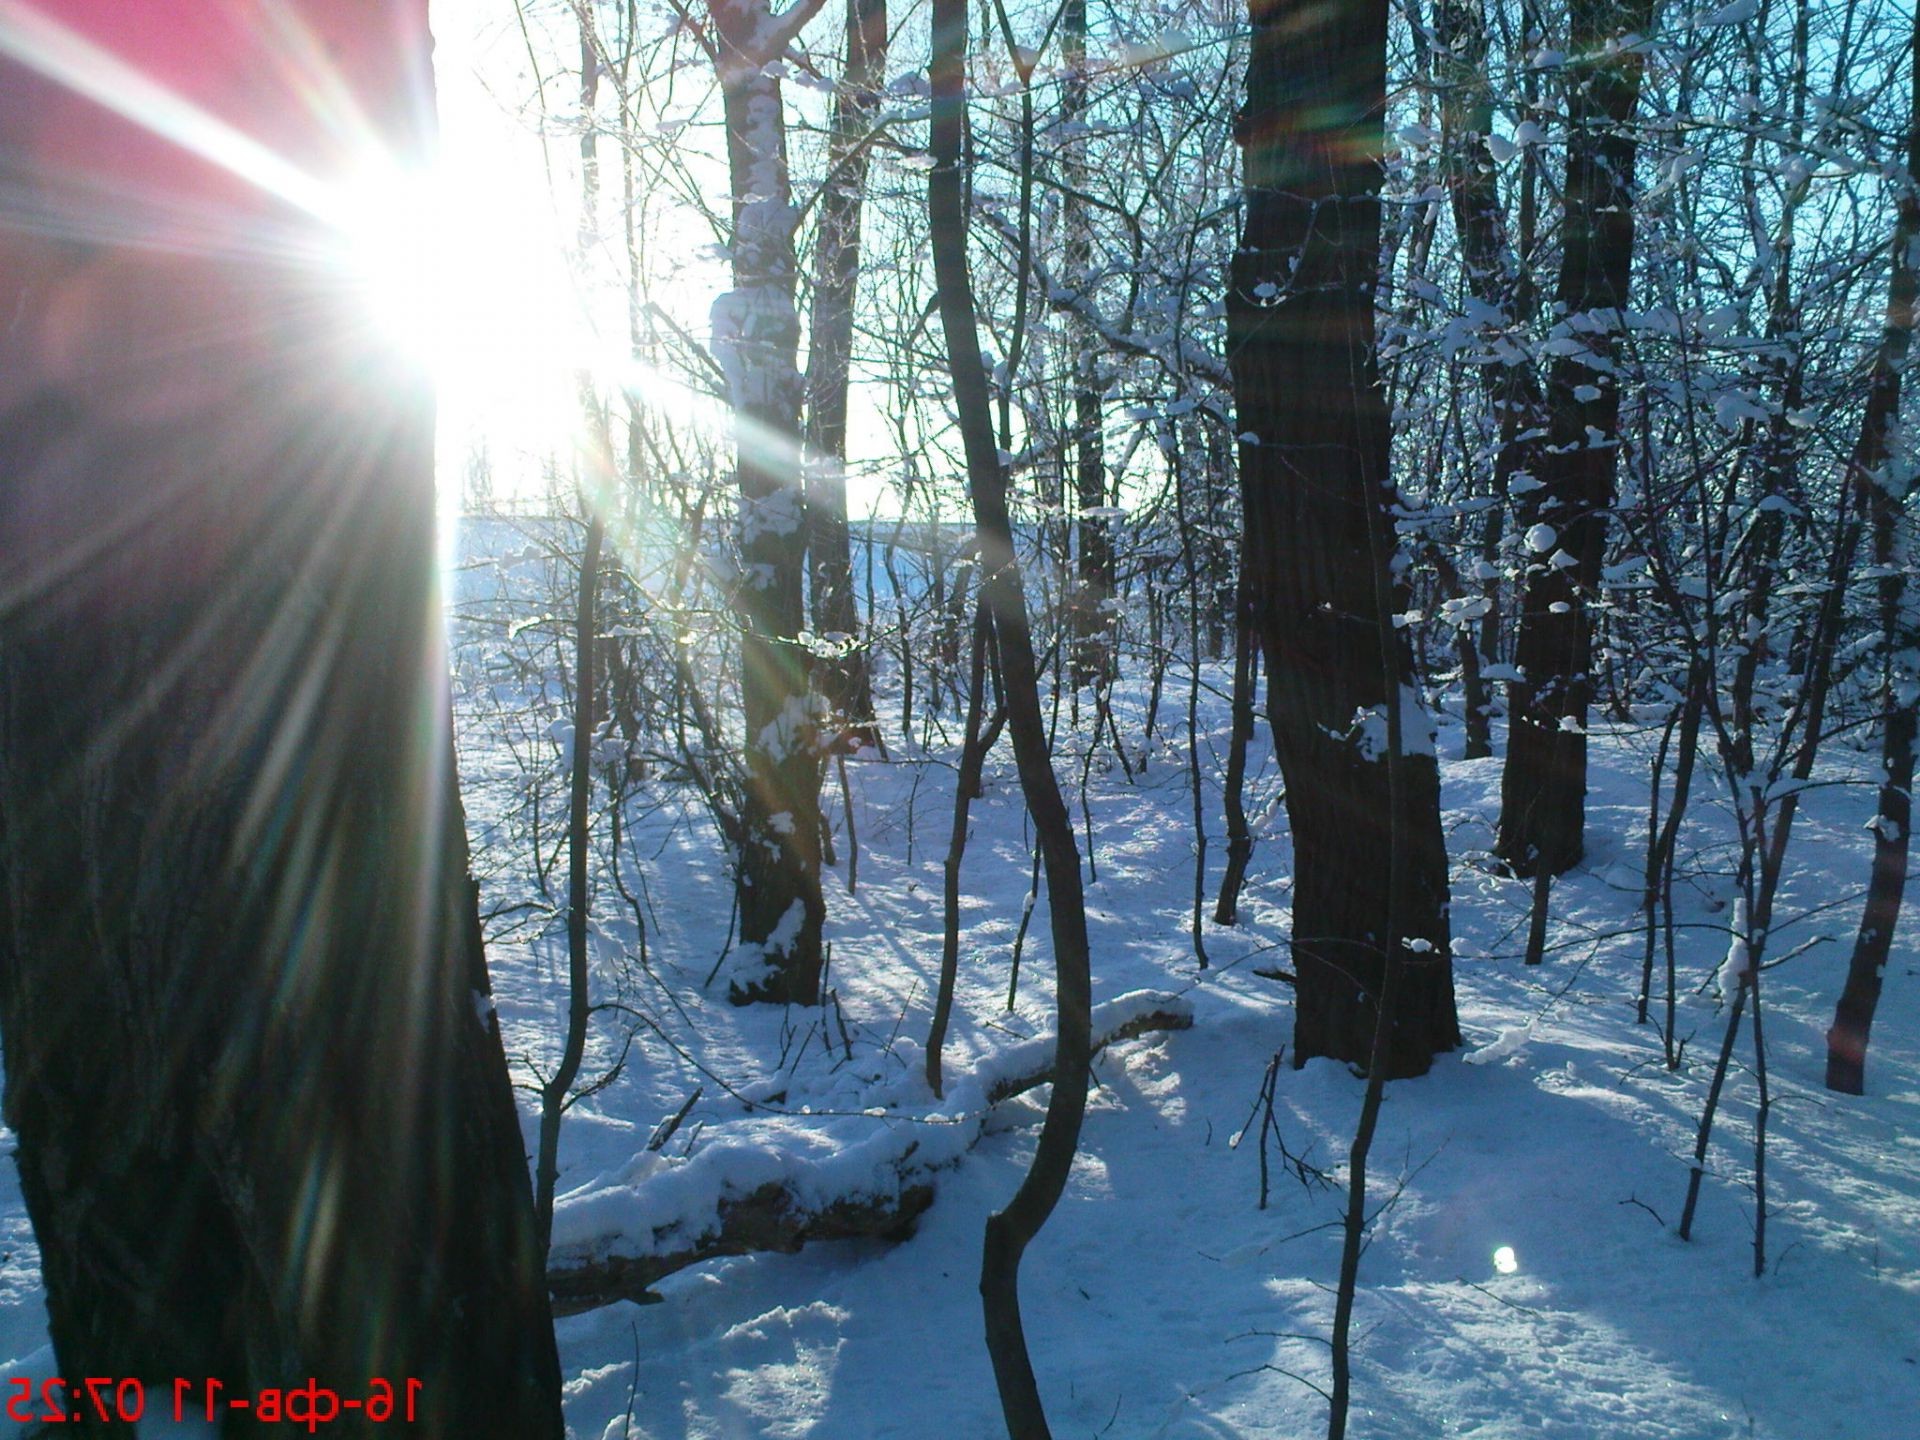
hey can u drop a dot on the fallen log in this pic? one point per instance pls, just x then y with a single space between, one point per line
785 1211
770 1220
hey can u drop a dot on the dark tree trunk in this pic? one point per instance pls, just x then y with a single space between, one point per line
1543 793
1866 970
1093 571
978 741
1493 278
265 1127
557 1093
1315 493
1775 447
846 680
1246 666
1853 1017
1009 1231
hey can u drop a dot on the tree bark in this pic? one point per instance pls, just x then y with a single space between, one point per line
1246 665
1543 792
978 740
846 680
1493 275
596 493
265 1127
1009 1231
557 1093
1853 1016
1314 482
756 337
1488 260
1093 577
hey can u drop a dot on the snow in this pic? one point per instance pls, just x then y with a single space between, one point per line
1739 961
1737 13
1522 1278
1508 1042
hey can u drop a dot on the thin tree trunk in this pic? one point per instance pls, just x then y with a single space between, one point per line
1246 666
1698 1169
1493 274
973 755
1196 926
1873 944
1777 453
1853 1016
1093 578
845 680
1494 278
557 1092
1010 1230
1664 844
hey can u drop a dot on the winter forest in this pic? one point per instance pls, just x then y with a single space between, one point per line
916 718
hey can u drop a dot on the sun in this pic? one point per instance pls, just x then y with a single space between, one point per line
398 255
462 273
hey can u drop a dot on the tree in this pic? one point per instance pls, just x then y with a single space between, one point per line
1319 562
596 467
756 337
1093 622
1884 483
1494 277
1544 786
265 1128
847 679
1012 1229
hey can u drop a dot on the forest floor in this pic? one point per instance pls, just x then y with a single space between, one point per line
1523 1277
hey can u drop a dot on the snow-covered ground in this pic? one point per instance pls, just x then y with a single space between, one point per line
1161 1300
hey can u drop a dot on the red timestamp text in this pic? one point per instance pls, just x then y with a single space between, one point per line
97 1398
307 1406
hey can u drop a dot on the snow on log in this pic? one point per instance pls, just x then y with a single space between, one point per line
843 1174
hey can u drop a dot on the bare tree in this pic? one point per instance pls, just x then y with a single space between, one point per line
1544 786
1320 581
756 337
1886 500
845 678
1009 1231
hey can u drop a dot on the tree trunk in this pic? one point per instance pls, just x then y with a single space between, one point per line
1313 476
1246 666
1093 574
595 488
846 680
557 1093
1853 1017
1009 1231
974 747
1493 278
756 335
265 1128
1543 793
